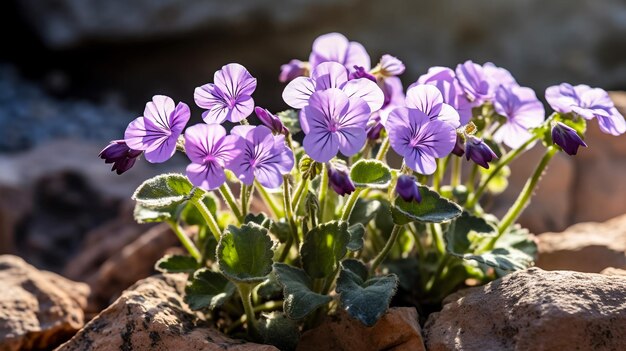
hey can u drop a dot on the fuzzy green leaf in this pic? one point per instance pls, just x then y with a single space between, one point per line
323 247
364 299
299 297
245 254
145 214
357 232
280 331
177 264
207 289
504 259
163 190
457 235
371 174
432 209
364 211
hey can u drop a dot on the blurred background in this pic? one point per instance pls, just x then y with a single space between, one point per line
73 73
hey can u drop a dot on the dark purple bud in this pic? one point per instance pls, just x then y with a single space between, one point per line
374 132
271 121
567 138
408 189
340 181
120 155
459 147
479 151
360 72
292 70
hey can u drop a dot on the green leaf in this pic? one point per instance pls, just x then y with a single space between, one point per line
299 297
518 238
364 299
270 288
432 209
260 219
207 289
192 216
357 232
245 254
308 168
145 214
457 235
278 330
177 264
281 230
323 247
371 174
163 190
504 259
291 120
364 211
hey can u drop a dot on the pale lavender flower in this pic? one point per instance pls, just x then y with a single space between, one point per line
522 110
428 99
419 139
497 76
330 75
479 152
210 151
474 82
229 97
271 121
265 157
589 103
408 188
390 66
335 122
120 155
335 47
293 69
567 138
394 97
157 131
445 80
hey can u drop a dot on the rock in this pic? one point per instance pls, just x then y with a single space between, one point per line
533 310
585 247
38 309
614 272
151 315
15 204
397 330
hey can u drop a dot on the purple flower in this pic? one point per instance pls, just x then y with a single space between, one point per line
589 103
336 122
335 47
394 97
445 80
374 127
474 82
497 76
264 157
459 146
157 131
229 97
271 121
567 138
429 100
210 151
293 69
339 180
419 139
120 155
390 66
408 189
522 110
330 75
360 72
479 152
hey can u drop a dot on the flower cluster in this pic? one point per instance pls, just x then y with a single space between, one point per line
321 171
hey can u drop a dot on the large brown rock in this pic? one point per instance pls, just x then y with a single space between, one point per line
397 330
585 247
151 315
533 310
38 309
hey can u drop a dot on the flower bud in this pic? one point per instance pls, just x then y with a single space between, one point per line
271 121
339 180
479 151
567 138
360 72
120 155
459 147
407 188
292 70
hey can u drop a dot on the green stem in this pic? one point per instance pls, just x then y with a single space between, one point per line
186 241
471 181
439 172
264 307
455 178
418 241
269 201
508 158
285 253
297 195
208 217
245 292
228 196
443 263
395 232
435 231
323 191
246 193
524 197
384 147
289 211
349 206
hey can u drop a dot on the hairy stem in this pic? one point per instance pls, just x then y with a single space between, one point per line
323 192
245 292
349 206
455 178
384 147
208 216
393 237
289 211
269 201
228 196
186 241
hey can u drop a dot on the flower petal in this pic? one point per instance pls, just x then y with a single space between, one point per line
143 134
512 135
367 90
243 108
298 92
234 81
322 146
329 47
420 161
329 75
179 118
613 124
208 95
163 152
351 140
449 115
356 55
426 98
159 110
398 129
200 139
207 176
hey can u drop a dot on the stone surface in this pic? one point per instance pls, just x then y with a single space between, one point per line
152 316
585 247
38 309
533 310
398 330
614 272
